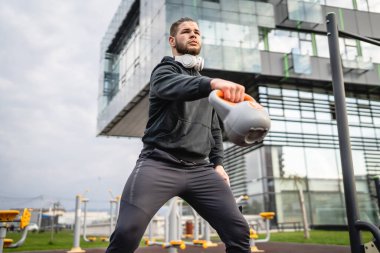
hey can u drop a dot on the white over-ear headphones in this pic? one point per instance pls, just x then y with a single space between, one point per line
190 61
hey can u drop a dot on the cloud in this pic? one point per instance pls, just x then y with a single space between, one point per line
48 104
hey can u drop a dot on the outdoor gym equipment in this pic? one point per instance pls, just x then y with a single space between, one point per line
112 218
245 123
355 225
85 238
77 223
76 244
8 216
173 230
266 216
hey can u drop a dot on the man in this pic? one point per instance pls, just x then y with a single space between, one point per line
183 153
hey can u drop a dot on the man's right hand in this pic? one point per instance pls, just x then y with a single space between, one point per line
231 91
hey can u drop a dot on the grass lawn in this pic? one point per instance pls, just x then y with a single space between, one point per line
64 240
42 241
318 237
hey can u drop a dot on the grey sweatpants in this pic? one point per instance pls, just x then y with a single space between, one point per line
156 178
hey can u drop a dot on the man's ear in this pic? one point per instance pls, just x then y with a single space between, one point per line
172 41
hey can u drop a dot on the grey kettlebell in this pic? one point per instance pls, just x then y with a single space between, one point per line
245 123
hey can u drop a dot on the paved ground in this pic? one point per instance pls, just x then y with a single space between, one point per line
270 247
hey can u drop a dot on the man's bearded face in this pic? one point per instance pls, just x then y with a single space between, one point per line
188 39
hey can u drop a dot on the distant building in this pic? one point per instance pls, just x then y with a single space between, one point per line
279 51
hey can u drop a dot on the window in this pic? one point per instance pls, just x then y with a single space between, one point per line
292 114
291 166
321 163
282 41
374 5
306 46
322 45
309 128
276 112
263 37
348 48
325 129
307 114
338 3
362 5
332 111
370 52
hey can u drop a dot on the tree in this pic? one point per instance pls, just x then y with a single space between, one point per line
298 184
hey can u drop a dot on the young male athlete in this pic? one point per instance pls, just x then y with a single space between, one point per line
183 152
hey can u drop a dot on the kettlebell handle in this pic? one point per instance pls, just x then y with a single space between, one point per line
247 97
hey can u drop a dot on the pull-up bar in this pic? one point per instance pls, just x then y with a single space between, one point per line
358 37
355 225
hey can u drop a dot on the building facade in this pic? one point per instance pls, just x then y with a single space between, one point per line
278 50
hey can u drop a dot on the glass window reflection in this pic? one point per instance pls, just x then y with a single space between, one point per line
309 128
290 93
368 132
370 52
292 114
305 94
322 44
321 163
324 129
307 114
274 91
293 127
323 116
338 3
362 5
282 41
355 131
374 5
365 119
277 125
291 166
358 161
276 112
353 118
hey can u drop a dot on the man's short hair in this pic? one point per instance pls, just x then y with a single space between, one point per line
174 26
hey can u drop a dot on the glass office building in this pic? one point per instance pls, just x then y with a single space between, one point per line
278 50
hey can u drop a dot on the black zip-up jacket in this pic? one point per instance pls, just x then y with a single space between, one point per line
181 120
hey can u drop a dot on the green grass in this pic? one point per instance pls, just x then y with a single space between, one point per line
42 241
317 237
63 240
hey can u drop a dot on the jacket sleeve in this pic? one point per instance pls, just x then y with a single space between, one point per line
217 154
167 83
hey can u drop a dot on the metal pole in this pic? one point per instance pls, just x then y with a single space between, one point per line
343 133
196 225
85 220
173 224
111 216
118 198
76 245
52 223
3 232
207 231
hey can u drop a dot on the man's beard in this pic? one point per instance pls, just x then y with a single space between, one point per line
182 49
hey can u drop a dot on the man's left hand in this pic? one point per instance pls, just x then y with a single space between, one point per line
220 170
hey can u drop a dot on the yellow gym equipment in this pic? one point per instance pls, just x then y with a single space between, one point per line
7 217
266 216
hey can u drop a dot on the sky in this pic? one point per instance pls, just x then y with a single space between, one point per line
49 68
